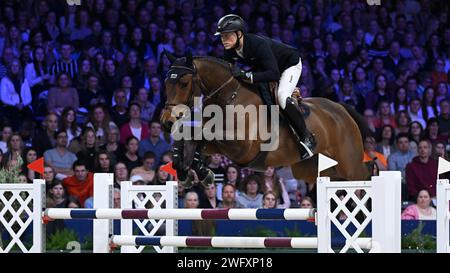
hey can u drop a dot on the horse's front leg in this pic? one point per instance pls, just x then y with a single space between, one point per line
178 160
205 175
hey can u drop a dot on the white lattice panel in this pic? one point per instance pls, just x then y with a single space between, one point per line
146 197
20 208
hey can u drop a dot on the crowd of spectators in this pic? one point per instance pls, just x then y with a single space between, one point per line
83 86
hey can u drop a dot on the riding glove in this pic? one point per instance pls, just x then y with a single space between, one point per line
237 72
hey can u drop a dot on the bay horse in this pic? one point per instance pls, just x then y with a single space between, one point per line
336 127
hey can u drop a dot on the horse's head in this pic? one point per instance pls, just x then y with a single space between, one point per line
180 88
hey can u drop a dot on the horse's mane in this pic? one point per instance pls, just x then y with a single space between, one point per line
222 62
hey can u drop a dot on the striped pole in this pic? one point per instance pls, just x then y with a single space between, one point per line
183 214
230 242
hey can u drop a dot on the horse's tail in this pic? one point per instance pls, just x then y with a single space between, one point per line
359 119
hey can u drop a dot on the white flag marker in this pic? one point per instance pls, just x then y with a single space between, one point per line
443 166
326 163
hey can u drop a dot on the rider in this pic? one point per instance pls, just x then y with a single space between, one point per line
274 61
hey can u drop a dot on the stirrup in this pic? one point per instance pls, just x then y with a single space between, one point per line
308 145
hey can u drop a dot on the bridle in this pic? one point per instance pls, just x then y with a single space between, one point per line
196 78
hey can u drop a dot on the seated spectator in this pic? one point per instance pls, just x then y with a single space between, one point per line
370 118
68 123
250 197
81 184
384 115
231 175
275 184
87 148
135 127
62 95
146 170
161 177
45 137
400 101
119 112
120 174
37 74
371 155
229 198
66 64
422 210
307 203
29 156
191 200
86 70
429 107
398 160
416 133
92 94
57 196
154 143
402 120
15 150
166 157
415 113
444 118
439 150
421 173
378 94
60 158
99 120
210 201
270 200
103 163
442 92
117 200
432 131
147 108
130 157
49 177
4 139
385 144
15 94
112 145
110 79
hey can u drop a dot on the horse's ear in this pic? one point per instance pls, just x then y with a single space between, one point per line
189 58
169 55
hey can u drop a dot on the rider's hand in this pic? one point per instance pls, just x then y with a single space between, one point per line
237 72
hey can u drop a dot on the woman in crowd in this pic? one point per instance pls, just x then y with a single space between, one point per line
99 120
131 157
62 95
15 94
273 183
250 195
68 124
270 200
422 210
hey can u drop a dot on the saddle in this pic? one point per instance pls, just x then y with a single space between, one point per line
269 95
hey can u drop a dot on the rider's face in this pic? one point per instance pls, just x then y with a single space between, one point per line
228 39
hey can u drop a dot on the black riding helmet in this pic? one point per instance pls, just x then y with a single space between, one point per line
230 23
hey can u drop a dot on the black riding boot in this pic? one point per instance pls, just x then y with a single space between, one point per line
297 121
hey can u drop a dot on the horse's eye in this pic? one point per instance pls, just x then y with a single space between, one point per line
183 84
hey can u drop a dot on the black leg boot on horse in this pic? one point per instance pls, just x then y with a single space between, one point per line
205 175
304 136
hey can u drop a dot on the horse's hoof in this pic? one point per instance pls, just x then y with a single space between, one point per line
209 179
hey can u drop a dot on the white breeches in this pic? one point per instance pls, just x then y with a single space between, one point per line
288 82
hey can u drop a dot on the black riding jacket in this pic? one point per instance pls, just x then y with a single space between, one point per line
268 58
